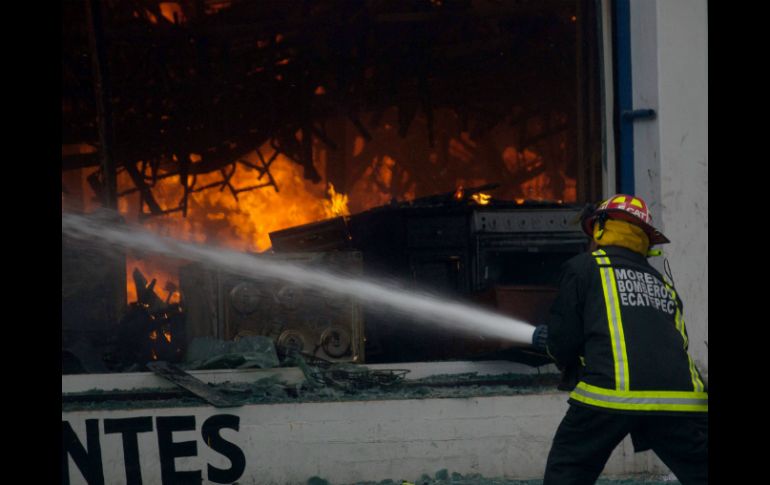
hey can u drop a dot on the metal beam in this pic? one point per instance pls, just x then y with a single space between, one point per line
103 108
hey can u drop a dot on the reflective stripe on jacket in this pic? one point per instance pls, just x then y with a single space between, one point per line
623 323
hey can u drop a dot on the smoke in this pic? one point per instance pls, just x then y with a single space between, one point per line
452 315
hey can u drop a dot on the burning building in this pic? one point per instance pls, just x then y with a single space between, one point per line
215 125
447 145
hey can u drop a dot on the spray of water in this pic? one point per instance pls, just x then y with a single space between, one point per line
452 315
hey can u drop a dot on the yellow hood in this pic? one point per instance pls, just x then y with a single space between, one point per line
624 234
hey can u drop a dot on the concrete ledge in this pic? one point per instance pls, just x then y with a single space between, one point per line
127 381
420 370
292 375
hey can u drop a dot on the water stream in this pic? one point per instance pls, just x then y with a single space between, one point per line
426 308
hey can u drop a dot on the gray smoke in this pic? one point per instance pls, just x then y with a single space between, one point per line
446 313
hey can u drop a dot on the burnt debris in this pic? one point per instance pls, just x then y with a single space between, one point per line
151 329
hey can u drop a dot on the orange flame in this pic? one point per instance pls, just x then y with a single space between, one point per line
151 17
215 216
481 198
337 204
171 9
374 187
163 271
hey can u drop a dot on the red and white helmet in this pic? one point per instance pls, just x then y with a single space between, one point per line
627 208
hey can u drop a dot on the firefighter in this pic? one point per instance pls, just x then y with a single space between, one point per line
617 325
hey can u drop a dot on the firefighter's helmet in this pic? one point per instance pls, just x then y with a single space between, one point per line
625 208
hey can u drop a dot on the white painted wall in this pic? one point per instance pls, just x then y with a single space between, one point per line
670 75
347 442
644 67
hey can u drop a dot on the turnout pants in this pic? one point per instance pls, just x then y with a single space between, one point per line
585 439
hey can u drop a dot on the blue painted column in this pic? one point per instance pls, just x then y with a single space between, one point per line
623 88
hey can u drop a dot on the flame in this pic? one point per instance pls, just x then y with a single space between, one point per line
154 355
169 9
481 198
78 149
337 204
374 187
358 145
167 336
216 217
461 149
214 6
154 335
163 271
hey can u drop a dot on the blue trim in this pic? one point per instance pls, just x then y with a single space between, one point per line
623 88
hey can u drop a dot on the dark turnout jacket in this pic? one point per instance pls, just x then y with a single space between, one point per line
622 324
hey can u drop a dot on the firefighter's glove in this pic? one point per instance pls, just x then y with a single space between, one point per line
540 338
